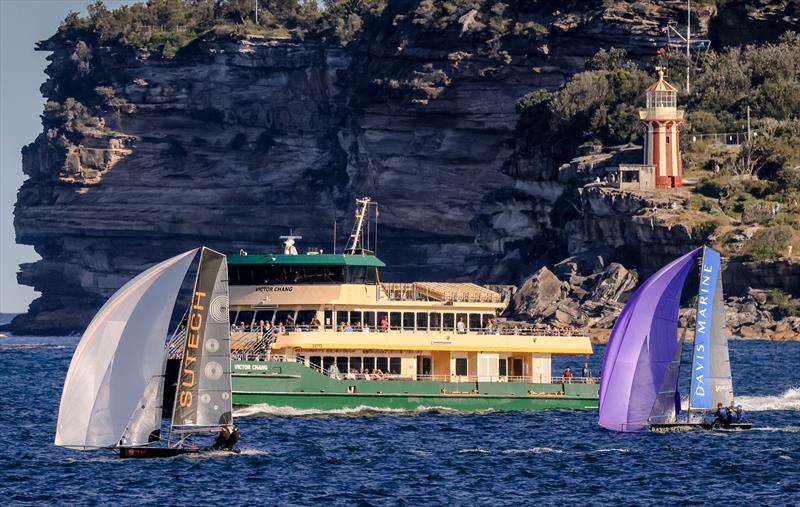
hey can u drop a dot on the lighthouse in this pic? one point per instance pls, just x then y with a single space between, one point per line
660 122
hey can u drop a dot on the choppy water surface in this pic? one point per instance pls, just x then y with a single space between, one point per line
388 458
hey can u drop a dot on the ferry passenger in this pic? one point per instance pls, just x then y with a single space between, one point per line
342 327
489 326
365 328
365 372
349 328
333 372
586 373
567 374
460 327
351 375
384 324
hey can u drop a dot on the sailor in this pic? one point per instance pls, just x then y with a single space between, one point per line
738 414
227 439
721 415
731 410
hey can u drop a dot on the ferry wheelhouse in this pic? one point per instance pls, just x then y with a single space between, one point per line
322 331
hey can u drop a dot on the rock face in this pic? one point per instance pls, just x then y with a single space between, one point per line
233 142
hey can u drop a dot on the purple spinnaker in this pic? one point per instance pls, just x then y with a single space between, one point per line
641 346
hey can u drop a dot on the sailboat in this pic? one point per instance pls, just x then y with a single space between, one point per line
112 395
639 389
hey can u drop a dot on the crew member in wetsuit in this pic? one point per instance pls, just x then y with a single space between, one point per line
227 438
721 415
731 411
739 415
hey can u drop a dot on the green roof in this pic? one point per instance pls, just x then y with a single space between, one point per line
307 260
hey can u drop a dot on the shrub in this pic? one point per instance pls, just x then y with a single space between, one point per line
769 243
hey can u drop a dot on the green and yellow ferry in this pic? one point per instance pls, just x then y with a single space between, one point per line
321 331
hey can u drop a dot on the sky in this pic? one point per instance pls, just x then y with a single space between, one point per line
22 24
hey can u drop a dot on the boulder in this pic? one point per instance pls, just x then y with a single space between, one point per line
614 283
539 295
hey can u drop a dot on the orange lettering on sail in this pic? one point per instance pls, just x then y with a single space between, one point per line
186 399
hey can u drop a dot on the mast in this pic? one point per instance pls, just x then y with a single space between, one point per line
356 243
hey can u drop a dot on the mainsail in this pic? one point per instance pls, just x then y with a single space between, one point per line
711 369
119 358
203 394
641 347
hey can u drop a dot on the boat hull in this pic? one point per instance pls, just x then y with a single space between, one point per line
706 426
294 386
155 452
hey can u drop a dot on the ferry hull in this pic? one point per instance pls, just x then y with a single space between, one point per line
291 385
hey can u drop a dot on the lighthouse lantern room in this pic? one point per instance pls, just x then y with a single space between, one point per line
661 121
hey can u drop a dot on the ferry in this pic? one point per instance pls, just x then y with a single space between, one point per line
322 331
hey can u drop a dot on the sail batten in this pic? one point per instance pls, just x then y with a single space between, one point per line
118 357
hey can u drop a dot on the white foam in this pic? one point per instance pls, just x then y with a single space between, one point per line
788 400
479 450
614 449
270 410
534 450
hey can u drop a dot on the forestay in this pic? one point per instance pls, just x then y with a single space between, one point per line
117 359
641 346
203 396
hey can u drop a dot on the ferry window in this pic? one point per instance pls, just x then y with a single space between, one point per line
369 363
382 316
448 319
355 363
328 319
341 318
334 274
423 365
436 322
356 274
355 318
474 321
408 320
245 318
260 315
394 365
516 367
315 362
422 321
369 319
382 363
394 320
341 364
371 276
285 317
503 367
304 317
327 361
462 317
232 317
461 366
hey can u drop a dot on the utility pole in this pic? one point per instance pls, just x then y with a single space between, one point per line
688 43
748 125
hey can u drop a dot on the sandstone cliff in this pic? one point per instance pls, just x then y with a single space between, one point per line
233 141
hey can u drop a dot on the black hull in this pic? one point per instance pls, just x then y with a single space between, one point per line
156 452
683 427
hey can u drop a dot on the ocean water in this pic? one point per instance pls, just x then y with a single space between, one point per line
363 457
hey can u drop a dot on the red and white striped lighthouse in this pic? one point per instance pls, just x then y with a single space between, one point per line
660 121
